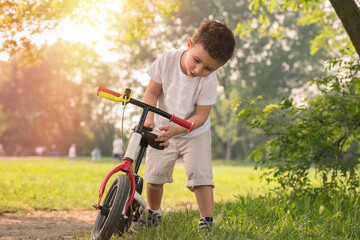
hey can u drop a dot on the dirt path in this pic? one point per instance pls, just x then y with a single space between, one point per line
47 225
51 225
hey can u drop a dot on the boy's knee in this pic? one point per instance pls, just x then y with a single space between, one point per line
154 186
194 188
199 187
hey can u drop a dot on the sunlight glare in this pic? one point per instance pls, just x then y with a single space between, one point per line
4 56
92 36
85 33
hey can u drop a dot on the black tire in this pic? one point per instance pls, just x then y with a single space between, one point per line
125 223
115 200
132 214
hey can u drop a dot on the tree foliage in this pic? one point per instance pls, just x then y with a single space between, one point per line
51 103
260 66
320 132
141 30
332 37
58 104
21 20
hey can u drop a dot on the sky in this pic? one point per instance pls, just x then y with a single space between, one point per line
71 32
84 33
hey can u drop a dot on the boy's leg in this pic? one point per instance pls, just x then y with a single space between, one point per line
154 195
205 200
204 197
152 216
159 167
197 161
196 153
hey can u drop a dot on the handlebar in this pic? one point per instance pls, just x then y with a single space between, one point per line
125 97
115 96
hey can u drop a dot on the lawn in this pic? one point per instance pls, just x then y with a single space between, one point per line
28 184
244 209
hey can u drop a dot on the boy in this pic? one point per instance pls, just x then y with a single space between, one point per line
72 153
117 149
183 82
96 154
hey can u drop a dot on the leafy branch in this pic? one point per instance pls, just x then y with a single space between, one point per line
322 132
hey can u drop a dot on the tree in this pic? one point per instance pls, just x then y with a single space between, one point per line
84 118
312 12
23 19
322 131
52 103
348 12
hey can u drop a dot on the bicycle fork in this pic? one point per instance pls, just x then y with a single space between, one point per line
126 166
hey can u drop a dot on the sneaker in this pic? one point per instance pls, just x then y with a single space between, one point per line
152 219
206 224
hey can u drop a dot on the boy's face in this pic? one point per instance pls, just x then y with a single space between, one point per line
197 62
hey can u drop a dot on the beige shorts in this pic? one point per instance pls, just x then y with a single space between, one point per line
196 154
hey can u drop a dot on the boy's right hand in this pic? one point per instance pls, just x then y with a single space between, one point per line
149 123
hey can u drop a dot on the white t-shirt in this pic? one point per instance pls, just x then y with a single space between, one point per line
72 152
117 146
181 93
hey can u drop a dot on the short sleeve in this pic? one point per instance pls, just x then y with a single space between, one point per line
208 92
156 69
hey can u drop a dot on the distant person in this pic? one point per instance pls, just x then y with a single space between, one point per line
54 151
118 150
96 154
72 153
40 150
2 150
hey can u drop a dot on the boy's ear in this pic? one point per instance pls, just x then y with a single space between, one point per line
188 43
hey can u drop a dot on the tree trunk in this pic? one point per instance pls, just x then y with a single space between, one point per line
245 151
228 150
349 14
220 143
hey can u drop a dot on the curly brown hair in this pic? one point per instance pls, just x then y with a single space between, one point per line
217 39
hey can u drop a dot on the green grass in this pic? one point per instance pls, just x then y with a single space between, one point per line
48 184
267 217
244 208
28 184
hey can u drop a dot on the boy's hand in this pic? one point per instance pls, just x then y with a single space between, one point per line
149 123
170 131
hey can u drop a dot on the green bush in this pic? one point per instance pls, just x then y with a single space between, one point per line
322 132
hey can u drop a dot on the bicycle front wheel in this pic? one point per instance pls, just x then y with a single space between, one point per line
113 208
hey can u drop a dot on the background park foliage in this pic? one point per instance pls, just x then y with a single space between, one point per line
47 92
321 130
288 100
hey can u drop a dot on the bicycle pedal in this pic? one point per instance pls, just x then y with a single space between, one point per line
94 205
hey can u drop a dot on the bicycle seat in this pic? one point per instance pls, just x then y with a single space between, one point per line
149 138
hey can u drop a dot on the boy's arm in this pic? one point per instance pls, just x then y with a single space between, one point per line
151 96
199 118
